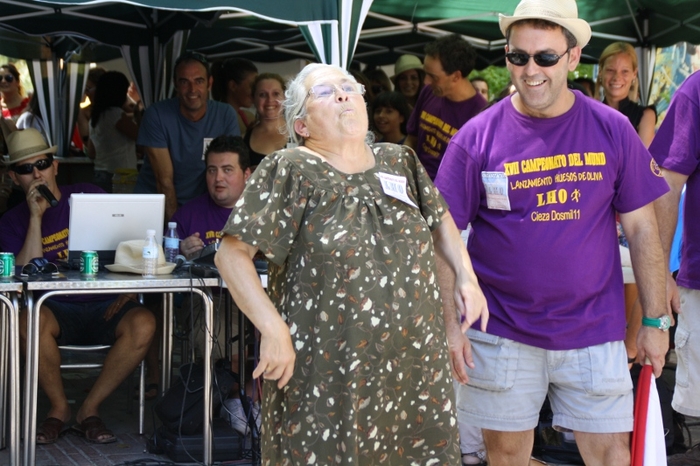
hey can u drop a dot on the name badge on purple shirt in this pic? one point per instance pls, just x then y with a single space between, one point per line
496 187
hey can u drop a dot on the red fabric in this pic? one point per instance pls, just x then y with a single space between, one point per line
76 139
12 112
641 408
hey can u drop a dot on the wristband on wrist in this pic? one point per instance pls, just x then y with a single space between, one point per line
662 323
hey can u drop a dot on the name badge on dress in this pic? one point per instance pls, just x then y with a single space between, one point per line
496 187
395 186
207 141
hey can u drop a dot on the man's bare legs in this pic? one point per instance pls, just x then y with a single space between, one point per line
515 448
133 335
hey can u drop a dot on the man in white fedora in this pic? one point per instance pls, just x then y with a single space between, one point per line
540 177
35 229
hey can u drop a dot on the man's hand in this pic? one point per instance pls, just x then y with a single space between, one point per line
191 245
672 296
35 201
117 304
652 344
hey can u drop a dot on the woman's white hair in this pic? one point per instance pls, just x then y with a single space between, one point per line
296 93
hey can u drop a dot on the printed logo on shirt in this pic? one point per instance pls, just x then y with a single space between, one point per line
438 134
56 242
655 169
211 236
553 176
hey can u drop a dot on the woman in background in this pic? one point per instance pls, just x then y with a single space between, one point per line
268 133
408 77
113 132
233 84
14 100
618 82
618 86
390 113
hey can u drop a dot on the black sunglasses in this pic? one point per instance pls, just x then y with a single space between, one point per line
544 60
37 266
8 78
27 168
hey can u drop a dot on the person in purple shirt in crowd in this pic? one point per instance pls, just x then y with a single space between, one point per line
539 176
34 229
199 222
447 101
676 148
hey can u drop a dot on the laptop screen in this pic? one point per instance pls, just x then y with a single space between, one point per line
99 222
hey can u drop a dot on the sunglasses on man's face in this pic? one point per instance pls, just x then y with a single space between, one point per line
27 168
545 60
37 266
8 78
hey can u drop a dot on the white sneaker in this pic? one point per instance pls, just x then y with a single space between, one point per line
232 411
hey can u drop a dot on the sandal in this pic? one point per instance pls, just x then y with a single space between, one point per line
150 393
94 431
50 429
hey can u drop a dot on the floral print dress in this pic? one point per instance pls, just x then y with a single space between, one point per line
352 271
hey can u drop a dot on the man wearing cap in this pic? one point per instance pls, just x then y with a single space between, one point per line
540 177
676 147
34 229
446 102
175 133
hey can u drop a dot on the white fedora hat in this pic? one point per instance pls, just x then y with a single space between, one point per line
129 258
562 12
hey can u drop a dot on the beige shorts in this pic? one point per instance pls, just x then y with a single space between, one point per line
685 395
589 389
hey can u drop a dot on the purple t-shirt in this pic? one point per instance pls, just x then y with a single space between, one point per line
54 224
201 215
435 120
54 232
676 147
541 195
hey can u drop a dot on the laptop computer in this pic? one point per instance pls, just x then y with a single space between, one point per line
99 222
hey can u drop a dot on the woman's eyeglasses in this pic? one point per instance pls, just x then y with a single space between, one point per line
544 60
37 266
27 168
323 91
7 78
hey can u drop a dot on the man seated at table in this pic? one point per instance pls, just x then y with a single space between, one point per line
34 229
199 222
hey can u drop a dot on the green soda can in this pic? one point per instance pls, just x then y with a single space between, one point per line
89 263
7 264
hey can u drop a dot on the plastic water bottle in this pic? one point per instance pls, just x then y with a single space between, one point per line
172 243
150 255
